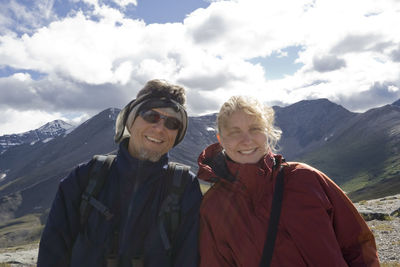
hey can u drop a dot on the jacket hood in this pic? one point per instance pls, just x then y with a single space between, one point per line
213 164
206 162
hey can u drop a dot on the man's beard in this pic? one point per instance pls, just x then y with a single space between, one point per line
149 155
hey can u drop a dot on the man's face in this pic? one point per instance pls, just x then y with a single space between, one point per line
149 141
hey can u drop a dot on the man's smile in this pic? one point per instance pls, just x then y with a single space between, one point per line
154 140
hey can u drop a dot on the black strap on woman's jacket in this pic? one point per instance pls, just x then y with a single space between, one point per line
273 221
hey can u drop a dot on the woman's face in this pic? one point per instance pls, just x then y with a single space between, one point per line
243 138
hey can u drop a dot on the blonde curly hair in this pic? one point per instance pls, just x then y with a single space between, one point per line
264 114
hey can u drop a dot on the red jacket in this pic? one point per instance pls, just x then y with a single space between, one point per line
319 225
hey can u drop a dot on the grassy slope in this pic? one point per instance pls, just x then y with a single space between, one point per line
385 187
20 231
360 161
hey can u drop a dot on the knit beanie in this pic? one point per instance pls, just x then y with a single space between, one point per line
164 97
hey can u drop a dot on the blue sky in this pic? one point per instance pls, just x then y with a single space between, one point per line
156 11
280 63
70 59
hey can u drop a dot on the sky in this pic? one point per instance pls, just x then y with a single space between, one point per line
71 59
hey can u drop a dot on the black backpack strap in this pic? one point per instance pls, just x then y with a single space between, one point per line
97 175
273 221
169 215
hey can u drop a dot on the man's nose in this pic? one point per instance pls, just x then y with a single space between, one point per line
159 124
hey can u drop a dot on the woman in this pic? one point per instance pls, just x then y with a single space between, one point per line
318 225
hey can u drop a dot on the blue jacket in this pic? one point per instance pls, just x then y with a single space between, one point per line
133 191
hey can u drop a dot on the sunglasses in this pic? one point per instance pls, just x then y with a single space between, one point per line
153 116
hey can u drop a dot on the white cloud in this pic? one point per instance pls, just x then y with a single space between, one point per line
29 17
393 89
245 29
22 121
124 3
22 77
77 119
348 48
121 3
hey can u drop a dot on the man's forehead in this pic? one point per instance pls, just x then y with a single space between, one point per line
168 112
163 111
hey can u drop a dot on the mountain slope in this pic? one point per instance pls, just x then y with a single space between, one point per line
30 163
45 133
364 152
200 133
308 124
34 171
382 188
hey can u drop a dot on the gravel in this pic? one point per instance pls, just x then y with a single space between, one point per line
386 232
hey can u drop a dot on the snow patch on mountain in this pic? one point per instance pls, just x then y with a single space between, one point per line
55 127
327 138
113 113
47 139
69 130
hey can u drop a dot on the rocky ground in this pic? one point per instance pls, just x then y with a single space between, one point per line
19 256
382 216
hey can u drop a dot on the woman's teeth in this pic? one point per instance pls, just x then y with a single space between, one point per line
246 152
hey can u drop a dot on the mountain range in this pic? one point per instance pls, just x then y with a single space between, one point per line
44 134
359 151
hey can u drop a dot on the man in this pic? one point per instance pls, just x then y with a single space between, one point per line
134 192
